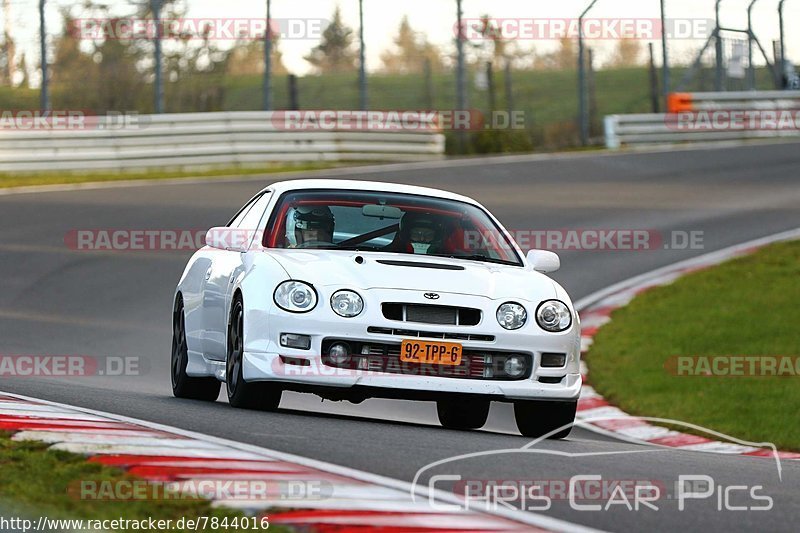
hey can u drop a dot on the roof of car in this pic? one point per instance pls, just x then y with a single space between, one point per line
358 185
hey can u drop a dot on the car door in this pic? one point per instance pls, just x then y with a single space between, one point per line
225 267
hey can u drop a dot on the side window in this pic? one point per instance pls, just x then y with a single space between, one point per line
237 219
250 221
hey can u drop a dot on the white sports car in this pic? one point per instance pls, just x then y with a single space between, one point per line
352 290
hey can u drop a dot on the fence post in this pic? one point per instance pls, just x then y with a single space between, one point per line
45 88
583 98
664 53
509 89
155 5
294 101
654 96
267 96
428 84
491 91
461 95
362 61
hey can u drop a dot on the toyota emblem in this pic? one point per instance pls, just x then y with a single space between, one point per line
431 296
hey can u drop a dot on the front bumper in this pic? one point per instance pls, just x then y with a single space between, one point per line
266 360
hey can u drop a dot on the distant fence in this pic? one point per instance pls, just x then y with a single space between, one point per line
712 116
193 140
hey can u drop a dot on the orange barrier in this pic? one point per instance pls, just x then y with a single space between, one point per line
679 102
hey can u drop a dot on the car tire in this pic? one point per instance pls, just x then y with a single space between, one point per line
537 418
241 394
183 385
463 414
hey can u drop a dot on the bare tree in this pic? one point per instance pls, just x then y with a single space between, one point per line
8 49
627 53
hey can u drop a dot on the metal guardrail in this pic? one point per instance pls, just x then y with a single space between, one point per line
196 140
713 116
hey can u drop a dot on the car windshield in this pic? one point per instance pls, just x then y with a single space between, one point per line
387 222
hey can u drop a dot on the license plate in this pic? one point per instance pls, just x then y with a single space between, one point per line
430 353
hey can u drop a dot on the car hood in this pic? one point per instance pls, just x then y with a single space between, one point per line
341 269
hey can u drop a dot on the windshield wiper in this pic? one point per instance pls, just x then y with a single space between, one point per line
354 248
478 257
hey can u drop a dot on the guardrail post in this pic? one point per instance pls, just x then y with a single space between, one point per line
612 140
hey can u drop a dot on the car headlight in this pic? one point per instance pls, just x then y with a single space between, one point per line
511 315
553 315
347 303
295 296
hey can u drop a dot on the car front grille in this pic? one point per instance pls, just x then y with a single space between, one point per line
413 333
385 358
432 314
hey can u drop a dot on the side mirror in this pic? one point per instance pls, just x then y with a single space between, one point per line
543 261
231 239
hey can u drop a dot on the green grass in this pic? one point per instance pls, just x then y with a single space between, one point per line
748 306
35 481
547 96
50 178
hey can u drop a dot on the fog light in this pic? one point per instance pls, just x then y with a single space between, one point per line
553 360
293 340
339 353
514 366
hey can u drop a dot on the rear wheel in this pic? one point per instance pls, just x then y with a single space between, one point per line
262 396
463 414
183 385
536 418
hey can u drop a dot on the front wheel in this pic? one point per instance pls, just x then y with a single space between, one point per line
537 418
261 396
463 414
183 385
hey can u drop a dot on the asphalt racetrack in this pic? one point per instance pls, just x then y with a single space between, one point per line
56 300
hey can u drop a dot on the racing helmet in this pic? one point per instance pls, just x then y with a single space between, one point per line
422 231
305 218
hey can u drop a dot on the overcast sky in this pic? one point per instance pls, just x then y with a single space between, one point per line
435 18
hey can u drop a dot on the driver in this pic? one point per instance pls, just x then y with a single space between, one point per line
309 225
423 232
